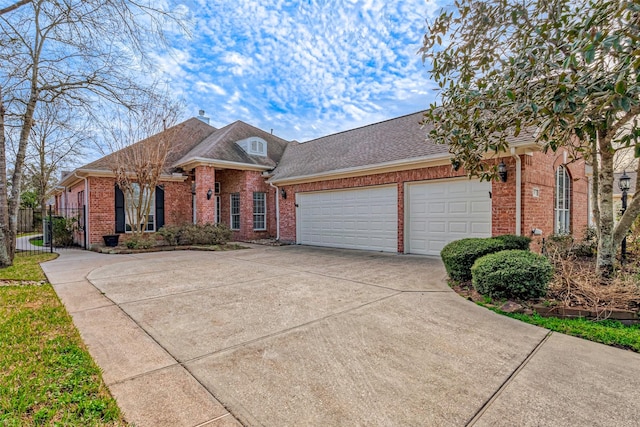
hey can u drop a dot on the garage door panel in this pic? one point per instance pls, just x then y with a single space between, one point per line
363 218
443 211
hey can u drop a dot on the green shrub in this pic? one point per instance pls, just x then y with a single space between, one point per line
458 256
588 246
140 242
196 234
62 230
511 241
170 234
512 274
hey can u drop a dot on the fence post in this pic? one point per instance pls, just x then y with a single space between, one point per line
50 229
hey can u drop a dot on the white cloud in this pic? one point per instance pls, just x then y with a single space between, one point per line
305 69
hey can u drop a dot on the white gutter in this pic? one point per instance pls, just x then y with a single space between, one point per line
277 212
223 164
518 191
85 213
390 166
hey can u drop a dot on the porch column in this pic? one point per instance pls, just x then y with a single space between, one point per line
205 181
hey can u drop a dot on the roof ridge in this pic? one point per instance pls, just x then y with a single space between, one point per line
361 127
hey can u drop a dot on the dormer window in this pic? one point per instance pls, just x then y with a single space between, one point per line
254 146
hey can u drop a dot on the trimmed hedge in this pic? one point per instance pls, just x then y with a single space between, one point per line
458 256
512 274
511 241
196 234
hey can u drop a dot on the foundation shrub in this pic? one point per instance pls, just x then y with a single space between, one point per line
196 234
458 256
512 274
140 242
511 241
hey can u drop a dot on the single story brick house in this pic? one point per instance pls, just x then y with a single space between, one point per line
380 187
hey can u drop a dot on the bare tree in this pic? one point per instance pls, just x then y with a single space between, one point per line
57 141
73 52
140 142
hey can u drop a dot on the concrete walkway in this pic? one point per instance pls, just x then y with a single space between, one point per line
279 336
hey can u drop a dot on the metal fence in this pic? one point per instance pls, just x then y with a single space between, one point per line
56 228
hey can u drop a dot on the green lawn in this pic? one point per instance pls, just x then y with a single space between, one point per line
37 242
26 267
46 375
609 332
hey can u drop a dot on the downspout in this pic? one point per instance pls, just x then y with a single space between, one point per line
518 191
86 214
277 212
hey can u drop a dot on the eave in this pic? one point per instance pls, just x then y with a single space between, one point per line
79 174
386 167
193 162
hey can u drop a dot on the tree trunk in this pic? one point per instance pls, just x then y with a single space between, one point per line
5 235
606 246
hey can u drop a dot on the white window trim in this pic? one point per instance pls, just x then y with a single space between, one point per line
264 214
562 215
152 215
218 208
231 214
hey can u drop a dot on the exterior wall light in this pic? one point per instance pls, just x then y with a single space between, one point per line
209 193
283 193
502 171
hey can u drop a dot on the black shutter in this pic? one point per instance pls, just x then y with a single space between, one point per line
159 207
119 210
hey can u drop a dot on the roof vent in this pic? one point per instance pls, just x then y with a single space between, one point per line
202 117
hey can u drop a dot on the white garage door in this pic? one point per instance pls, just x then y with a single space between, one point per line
364 218
442 211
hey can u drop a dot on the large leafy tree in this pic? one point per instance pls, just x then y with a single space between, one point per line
569 68
72 53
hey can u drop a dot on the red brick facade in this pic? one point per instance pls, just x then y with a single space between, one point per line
537 202
538 171
178 202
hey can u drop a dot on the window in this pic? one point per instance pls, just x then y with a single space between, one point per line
259 211
133 203
257 147
80 198
235 211
217 187
254 145
217 209
563 201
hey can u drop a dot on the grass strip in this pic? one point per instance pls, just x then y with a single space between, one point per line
46 374
26 267
609 332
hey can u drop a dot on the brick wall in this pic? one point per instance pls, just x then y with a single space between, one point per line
537 172
538 194
102 221
205 181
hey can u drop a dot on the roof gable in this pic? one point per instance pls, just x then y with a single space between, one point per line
222 145
184 137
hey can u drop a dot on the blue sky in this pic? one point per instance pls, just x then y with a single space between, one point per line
302 68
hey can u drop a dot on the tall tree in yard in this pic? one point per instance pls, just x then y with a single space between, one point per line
72 52
140 142
57 141
568 68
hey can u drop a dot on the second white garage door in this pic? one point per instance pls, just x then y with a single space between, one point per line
442 211
362 218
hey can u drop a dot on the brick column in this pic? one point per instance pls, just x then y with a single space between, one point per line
205 180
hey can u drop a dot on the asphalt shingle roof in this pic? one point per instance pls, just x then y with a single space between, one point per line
184 137
221 145
401 138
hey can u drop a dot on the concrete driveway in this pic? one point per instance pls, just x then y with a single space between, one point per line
280 336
